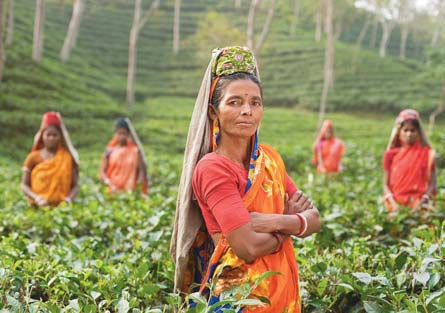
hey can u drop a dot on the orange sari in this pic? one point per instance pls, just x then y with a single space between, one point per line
331 151
266 195
123 165
52 178
409 173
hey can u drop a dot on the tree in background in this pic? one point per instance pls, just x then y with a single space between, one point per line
328 80
73 30
237 4
387 13
2 50
257 43
345 13
436 73
176 26
139 21
295 17
318 19
440 22
10 27
39 20
214 30
405 16
364 29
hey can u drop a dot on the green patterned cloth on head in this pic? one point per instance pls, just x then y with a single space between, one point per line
234 60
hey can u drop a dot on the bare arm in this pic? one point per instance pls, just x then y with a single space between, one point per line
430 190
26 188
288 224
320 161
387 191
250 245
432 185
74 184
103 171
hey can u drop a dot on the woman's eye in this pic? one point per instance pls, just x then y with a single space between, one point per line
257 103
234 102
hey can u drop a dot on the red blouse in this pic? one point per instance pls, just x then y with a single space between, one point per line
219 185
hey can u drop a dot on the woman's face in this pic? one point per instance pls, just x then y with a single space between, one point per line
329 133
240 110
408 133
122 135
51 137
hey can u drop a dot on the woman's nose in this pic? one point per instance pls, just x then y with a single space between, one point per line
246 109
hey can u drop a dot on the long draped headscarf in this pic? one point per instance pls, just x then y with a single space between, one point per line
405 115
202 138
55 119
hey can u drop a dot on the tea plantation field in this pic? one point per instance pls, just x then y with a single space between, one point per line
105 253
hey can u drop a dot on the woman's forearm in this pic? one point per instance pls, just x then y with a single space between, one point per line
288 224
432 183
250 245
28 192
73 192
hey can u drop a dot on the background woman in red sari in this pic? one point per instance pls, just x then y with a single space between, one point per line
123 164
50 171
328 150
408 165
249 205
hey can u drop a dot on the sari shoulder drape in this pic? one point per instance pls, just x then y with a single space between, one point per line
122 165
331 152
52 179
409 172
226 269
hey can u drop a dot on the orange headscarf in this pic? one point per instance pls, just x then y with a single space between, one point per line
52 179
330 150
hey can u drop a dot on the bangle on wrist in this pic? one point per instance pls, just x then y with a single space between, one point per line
280 241
303 224
67 199
426 196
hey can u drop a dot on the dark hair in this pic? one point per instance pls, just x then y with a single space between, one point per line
414 122
225 80
57 127
121 123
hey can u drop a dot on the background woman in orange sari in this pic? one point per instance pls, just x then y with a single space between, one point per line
123 163
249 204
408 165
50 171
328 150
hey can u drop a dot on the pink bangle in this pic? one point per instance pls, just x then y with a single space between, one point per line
280 241
303 224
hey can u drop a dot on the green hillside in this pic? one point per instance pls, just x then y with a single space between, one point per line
90 87
95 76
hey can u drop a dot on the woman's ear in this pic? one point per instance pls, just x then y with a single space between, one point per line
212 113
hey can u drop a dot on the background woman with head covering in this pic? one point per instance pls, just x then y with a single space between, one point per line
249 205
123 163
408 165
50 171
328 150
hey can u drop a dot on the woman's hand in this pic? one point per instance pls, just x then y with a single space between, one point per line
40 201
298 203
395 206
